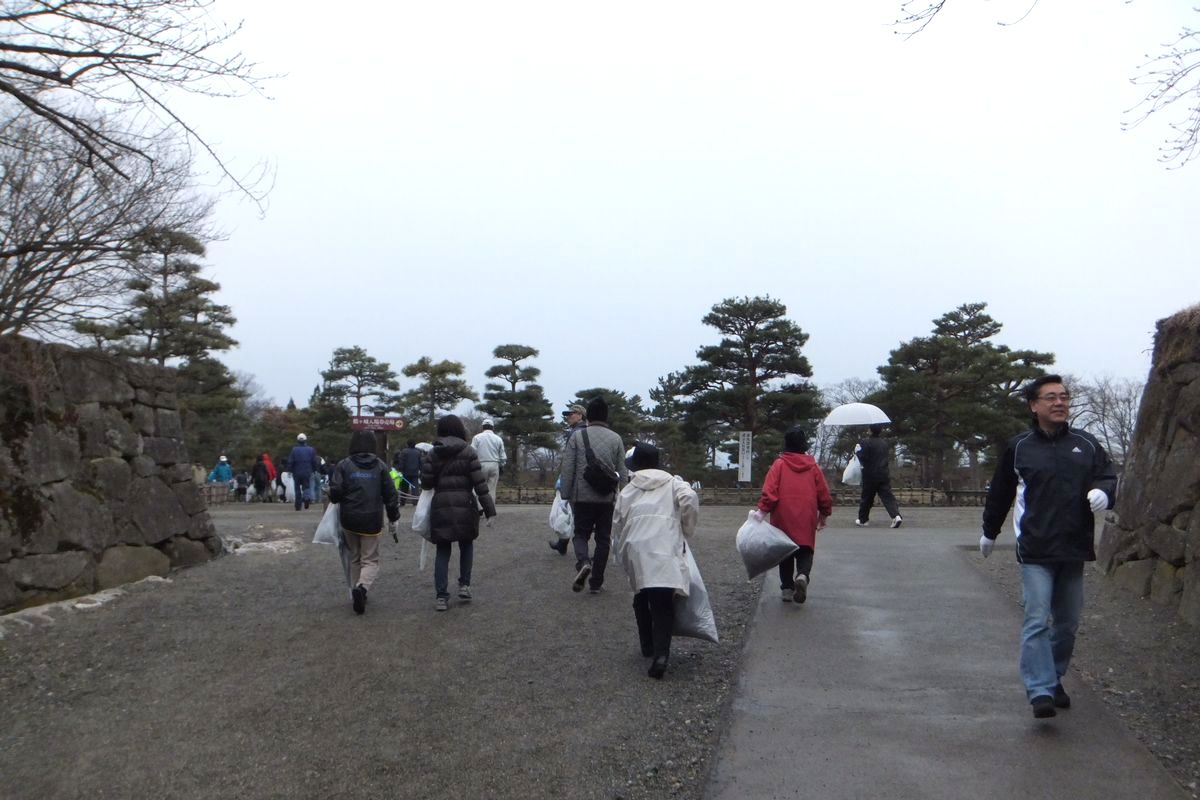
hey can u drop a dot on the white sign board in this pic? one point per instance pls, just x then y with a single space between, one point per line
745 454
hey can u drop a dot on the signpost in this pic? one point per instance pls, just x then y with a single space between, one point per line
745 455
376 424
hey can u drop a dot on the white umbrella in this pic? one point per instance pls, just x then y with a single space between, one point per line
856 414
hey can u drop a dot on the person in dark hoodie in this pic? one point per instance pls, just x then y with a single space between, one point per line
873 453
796 496
363 489
453 471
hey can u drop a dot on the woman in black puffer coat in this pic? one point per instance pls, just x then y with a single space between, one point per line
452 469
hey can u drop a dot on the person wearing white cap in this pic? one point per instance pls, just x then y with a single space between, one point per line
222 472
302 462
490 448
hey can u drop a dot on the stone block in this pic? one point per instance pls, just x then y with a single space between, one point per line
1167 543
9 593
144 467
111 478
8 539
49 454
168 424
184 552
105 432
143 419
90 377
165 452
1185 373
53 572
178 473
76 519
1177 486
1167 584
155 511
1189 601
123 564
190 498
201 527
1116 546
1135 576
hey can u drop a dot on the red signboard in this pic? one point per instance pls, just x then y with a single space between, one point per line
376 423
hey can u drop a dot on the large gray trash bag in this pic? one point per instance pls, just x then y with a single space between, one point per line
762 545
693 614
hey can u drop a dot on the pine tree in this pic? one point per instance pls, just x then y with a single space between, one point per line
360 377
440 390
522 413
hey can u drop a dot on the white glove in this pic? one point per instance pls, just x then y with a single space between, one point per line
1098 500
489 521
758 515
986 545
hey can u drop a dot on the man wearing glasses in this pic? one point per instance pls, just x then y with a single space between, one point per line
1059 477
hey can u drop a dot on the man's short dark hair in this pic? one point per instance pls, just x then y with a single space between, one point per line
1034 387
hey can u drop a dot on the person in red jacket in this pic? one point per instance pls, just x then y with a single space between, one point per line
796 496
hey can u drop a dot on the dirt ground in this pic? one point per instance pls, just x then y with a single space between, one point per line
251 677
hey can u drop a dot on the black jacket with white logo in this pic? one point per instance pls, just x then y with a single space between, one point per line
1049 478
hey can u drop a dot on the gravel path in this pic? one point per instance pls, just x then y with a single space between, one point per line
251 677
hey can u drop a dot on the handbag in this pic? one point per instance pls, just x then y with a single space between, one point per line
600 477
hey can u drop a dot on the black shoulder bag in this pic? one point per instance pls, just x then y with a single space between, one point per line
600 477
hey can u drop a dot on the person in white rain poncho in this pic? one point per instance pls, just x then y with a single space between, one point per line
654 515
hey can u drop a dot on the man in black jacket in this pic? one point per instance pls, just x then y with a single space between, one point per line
1060 478
873 456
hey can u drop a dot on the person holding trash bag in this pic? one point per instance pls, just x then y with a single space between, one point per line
796 496
362 487
453 471
654 516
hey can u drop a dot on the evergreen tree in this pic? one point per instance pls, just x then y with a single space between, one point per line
211 408
952 393
684 448
752 379
522 413
329 421
358 377
440 390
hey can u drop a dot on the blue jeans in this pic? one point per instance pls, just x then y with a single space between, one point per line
441 566
1053 596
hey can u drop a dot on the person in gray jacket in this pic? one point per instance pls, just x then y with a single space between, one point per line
592 505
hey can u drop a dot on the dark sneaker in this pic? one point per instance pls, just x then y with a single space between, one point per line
787 594
441 604
559 547
359 597
1061 698
1043 706
464 593
658 667
897 521
801 591
581 578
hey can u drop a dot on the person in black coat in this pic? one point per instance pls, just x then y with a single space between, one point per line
408 463
453 471
873 453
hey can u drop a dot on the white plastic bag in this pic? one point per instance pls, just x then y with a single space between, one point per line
328 527
693 614
420 520
762 546
562 519
852 475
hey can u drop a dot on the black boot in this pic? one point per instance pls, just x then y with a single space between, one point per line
658 667
641 612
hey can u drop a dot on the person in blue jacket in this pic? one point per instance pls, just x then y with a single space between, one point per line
303 464
1060 478
222 472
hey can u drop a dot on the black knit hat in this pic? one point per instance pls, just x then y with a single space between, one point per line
644 456
597 410
362 442
795 440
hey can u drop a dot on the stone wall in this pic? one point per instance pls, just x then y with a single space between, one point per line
1152 545
95 485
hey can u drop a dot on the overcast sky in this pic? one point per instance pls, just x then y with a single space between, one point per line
590 179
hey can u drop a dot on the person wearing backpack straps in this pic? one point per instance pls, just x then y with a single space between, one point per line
594 453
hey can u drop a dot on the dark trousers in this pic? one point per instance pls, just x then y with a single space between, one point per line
410 485
654 610
593 518
441 566
303 490
798 562
884 490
